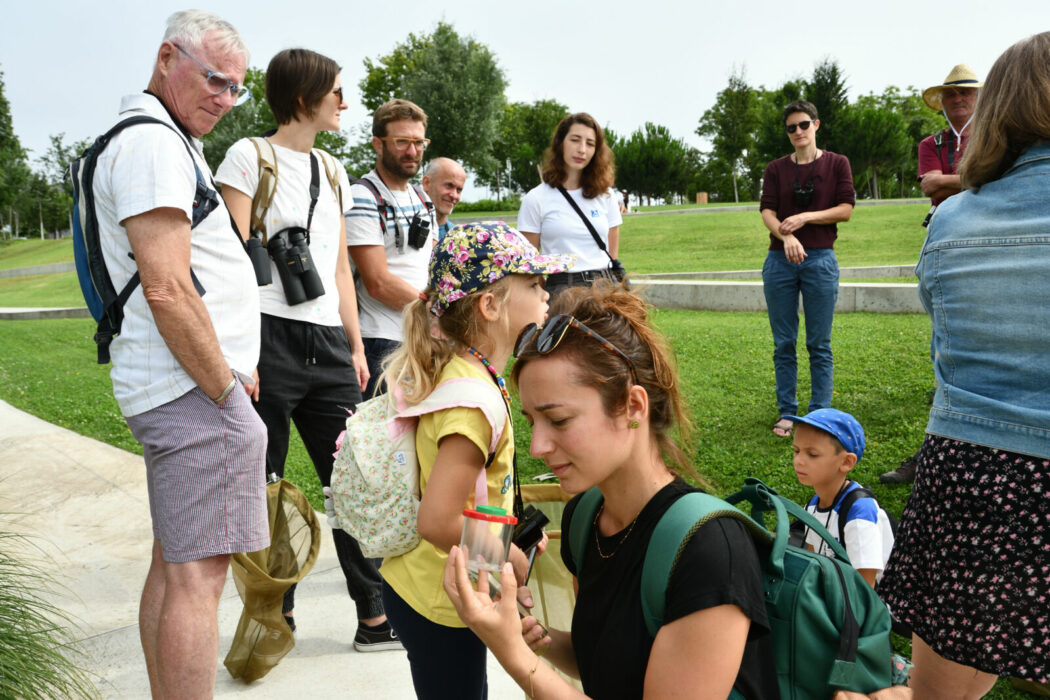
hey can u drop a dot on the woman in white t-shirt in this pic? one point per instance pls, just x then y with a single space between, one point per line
312 362
578 165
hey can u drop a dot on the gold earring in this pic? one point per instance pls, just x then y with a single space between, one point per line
633 424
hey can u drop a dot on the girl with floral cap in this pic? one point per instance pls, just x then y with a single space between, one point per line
485 286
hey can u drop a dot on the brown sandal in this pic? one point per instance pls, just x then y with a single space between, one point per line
782 428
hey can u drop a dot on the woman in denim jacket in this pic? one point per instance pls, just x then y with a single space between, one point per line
970 571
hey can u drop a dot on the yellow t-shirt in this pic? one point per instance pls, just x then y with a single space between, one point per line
416 575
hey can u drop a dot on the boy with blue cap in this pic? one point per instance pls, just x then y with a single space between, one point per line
828 444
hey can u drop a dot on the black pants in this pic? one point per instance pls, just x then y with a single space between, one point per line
447 663
306 375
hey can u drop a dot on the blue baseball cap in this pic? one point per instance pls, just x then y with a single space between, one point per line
839 424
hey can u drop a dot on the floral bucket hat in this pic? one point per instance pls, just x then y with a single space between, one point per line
473 256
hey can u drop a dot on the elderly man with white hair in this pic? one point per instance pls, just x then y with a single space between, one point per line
185 357
443 181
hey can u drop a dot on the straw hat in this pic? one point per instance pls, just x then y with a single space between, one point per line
961 76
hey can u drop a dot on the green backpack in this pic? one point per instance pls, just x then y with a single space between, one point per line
830 630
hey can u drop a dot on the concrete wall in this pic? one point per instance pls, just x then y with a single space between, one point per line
748 296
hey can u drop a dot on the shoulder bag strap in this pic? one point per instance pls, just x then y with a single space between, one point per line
586 222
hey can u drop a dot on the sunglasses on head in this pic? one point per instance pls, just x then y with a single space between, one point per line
801 125
551 334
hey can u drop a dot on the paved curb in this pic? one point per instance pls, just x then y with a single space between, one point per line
53 268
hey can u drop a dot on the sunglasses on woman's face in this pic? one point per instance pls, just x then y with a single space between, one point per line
552 333
801 125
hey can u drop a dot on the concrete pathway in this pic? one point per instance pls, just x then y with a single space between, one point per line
84 506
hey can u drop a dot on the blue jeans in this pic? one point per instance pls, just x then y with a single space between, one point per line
817 279
376 350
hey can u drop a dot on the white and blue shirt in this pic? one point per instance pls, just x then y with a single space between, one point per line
869 536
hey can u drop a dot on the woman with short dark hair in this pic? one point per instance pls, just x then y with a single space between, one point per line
573 204
312 362
804 195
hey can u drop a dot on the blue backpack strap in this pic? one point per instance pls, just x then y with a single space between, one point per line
676 527
582 522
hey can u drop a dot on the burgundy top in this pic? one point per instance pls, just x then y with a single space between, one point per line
928 159
832 185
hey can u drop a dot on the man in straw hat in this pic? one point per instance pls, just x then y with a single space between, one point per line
939 156
940 153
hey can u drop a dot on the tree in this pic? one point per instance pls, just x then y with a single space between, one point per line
770 140
522 136
653 163
14 171
827 91
875 139
730 124
455 80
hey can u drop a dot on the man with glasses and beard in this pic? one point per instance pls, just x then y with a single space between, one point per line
390 231
184 359
804 196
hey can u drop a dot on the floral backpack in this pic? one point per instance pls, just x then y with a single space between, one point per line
375 478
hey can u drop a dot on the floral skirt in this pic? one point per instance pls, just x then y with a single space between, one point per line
970 569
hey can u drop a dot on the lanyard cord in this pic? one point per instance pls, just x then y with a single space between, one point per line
519 505
827 521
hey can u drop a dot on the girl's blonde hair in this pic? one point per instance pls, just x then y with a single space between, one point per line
430 342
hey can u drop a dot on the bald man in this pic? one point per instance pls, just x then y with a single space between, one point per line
443 182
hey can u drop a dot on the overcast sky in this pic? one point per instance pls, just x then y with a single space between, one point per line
66 64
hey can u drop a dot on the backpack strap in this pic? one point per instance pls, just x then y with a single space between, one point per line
846 503
425 202
266 187
382 206
467 392
333 177
82 171
677 526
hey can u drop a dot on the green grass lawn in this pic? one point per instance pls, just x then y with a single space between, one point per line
737 240
61 289
35 252
882 375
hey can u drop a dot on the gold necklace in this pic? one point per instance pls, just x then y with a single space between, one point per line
594 527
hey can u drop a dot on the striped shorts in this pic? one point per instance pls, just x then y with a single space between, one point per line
205 470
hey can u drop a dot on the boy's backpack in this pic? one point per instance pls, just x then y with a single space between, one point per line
847 502
103 300
385 208
375 478
830 631
268 183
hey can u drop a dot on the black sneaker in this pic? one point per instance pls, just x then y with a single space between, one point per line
904 474
379 638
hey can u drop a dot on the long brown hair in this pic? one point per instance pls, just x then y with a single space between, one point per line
1012 113
622 318
599 174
